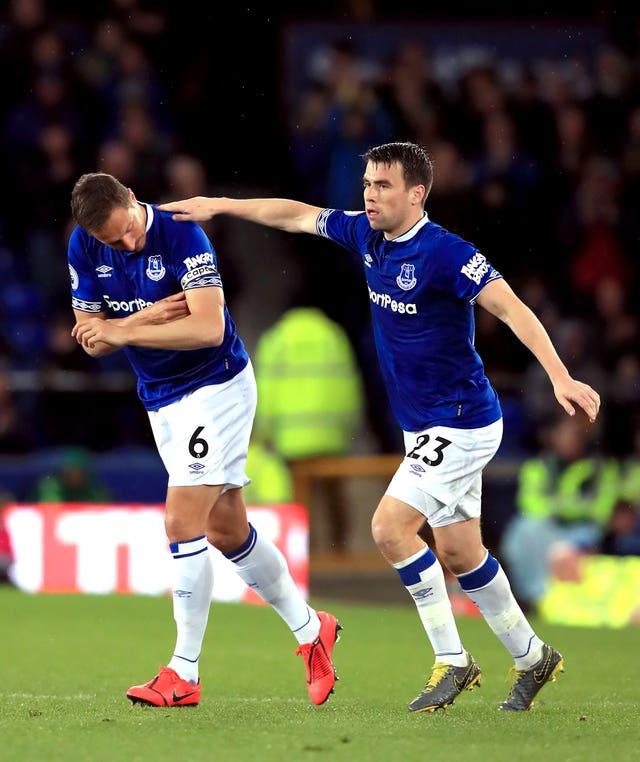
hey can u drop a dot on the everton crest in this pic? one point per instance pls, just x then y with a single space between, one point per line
155 269
407 278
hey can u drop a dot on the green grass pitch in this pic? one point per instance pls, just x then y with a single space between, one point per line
68 660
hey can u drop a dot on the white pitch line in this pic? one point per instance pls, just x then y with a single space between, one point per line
48 697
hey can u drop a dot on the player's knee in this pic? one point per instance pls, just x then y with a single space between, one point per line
179 530
227 538
385 535
460 559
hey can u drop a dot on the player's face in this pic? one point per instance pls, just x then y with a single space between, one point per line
390 205
125 229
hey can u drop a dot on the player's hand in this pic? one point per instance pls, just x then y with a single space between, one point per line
95 330
196 209
570 391
165 310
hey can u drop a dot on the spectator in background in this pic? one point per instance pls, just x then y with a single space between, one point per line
566 494
591 232
311 399
309 141
20 24
576 339
480 94
615 323
117 157
622 533
186 175
573 147
507 183
73 482
613 94
30 153
533 118
630 160
136 81
411 94
150 145
354 126
452 200
355 117
624 408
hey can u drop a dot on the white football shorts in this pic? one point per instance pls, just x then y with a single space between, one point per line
203 437
441 473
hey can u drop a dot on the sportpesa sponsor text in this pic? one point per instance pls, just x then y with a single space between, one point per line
134 305
386 302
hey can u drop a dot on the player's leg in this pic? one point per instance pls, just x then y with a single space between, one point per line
260 564
263 567
487 586
186 512
256 558
192 440
395 528
439 466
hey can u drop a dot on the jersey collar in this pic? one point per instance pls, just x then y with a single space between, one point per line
149 210
413 230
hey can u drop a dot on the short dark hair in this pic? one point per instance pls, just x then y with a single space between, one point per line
417 167
94 196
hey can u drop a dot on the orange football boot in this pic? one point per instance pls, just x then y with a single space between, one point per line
321 674
166 689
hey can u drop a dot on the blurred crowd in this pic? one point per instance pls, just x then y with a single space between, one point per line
537 163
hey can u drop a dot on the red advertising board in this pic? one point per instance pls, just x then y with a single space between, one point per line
116 548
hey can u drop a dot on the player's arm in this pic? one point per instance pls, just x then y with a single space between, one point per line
165 310
203 326
284 214
98 348
498 298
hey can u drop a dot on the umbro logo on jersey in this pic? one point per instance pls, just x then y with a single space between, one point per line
195 467
104 271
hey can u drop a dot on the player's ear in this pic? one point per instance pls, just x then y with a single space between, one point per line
417 194
132 195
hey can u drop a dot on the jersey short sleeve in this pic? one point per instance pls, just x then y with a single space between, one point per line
197 265
462 270
349 229
86 295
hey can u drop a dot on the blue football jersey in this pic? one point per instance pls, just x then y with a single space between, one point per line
421 290
177 256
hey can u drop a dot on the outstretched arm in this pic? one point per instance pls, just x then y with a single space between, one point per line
282 213
498 298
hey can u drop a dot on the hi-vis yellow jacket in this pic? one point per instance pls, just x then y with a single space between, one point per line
310 397
585 490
